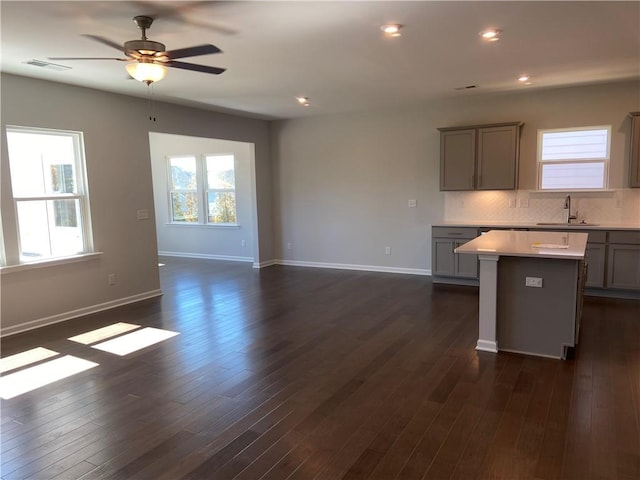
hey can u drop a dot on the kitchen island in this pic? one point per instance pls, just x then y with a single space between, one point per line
531 286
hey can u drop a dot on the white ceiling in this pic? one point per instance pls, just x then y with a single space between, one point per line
332 52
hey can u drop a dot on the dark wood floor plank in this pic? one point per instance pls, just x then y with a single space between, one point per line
296 373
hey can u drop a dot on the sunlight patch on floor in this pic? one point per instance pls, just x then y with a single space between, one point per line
43 374
25 358
103 333
135 341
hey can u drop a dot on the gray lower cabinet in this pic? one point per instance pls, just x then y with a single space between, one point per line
596 256
623 259
444 261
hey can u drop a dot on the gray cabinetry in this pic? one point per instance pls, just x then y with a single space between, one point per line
444 262
596 254
634 161
457 159
483 157
623 259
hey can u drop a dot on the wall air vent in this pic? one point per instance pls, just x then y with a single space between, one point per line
467 87
49 65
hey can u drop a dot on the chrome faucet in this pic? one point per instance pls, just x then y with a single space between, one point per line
567 207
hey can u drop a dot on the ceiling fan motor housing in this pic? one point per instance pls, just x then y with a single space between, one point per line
144 47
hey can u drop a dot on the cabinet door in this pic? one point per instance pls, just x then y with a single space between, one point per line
457 159
465 265
442 256
497 158
624 266
634 163
595 265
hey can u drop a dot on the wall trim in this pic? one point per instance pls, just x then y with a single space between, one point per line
63 317
268 263
347 266
207 256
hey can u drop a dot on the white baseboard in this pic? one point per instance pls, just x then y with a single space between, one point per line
346 266
206 255
487 346
268 263
62 317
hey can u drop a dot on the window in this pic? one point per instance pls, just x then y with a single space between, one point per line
573 159
183 189
202 189
49 188
221 189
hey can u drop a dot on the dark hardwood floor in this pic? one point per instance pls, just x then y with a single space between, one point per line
295 373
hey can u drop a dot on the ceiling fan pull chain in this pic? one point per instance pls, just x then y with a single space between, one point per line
152 116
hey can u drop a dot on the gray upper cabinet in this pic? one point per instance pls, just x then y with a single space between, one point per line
457 159
482 157
634 161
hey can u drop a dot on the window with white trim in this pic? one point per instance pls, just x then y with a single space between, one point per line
202 189
49 188
574 158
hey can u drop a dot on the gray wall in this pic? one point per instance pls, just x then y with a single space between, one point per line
207 241
342 183
116 134
339 184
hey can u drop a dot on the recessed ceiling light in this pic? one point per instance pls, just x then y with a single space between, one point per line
304 101
491 34
523 78
391 29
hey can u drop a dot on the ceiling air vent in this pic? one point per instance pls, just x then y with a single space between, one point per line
49 65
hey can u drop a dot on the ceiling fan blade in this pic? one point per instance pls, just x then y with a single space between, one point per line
194 67
90 58
195 51
105 41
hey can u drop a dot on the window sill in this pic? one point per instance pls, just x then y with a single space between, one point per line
50 262
202 225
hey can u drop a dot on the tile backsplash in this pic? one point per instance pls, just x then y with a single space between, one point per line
620 206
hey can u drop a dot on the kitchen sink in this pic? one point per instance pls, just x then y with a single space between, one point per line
564 224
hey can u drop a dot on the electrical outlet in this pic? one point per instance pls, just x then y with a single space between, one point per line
387 250
111 279
524 203
512 203
533 282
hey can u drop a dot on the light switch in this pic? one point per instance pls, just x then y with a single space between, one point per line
412 203
533 282
142 214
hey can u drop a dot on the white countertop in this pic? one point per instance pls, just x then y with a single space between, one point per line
564 227
561 245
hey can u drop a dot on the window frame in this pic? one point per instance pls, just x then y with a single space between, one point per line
14 259
202 190
171 190
207 190
605 161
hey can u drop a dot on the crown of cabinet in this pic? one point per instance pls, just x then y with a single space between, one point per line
480 157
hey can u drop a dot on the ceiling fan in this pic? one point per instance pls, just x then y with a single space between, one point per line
148 59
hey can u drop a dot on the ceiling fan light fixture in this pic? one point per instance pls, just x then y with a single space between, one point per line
146 72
